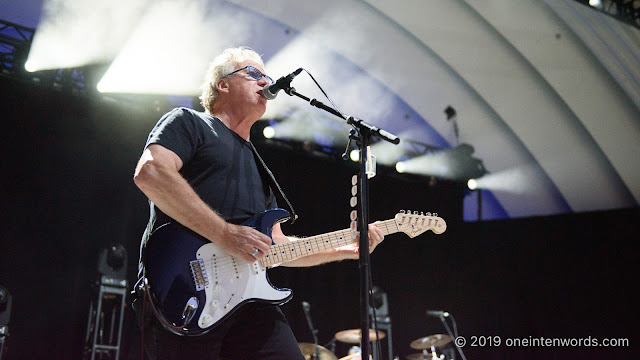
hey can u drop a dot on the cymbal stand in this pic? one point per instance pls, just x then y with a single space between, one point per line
331 345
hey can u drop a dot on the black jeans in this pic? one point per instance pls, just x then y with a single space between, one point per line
254 331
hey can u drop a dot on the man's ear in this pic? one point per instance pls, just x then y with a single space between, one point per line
222 85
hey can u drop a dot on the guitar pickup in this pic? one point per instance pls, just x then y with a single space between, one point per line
199 274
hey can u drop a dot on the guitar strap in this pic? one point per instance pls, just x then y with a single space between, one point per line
273 181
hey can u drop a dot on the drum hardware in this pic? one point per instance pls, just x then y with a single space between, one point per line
425 355
355 353
444 316
429 342
309 352
380 317
354 336
420 356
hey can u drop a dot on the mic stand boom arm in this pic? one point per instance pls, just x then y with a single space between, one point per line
359 124
365 132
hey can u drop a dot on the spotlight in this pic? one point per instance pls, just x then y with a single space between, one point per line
30 66
5 308
269 132
595 3
472 184
401 167
112 262
354 155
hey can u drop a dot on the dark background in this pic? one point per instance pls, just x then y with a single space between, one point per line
67 193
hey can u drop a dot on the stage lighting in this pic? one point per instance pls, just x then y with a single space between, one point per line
354 155
5 307
113 263
5 315
106 313
30 66
455 164
269 132
472 184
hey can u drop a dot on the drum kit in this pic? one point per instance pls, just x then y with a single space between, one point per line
428 345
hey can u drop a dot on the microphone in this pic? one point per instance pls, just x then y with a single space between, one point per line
270 91
307 313
437 313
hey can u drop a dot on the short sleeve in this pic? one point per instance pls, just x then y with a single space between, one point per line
179 131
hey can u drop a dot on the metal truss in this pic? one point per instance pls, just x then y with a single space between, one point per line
15 43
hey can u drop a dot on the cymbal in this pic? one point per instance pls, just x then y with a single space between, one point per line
308 350
354 336
428 341
420 356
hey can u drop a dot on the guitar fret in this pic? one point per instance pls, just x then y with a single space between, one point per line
281 253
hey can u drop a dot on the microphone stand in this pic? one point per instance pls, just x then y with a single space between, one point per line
363 134
453 334
314 332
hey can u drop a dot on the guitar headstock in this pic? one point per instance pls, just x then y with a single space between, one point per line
414 224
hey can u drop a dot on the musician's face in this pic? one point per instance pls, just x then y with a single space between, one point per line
245 91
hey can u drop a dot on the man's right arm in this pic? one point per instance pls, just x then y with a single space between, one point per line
157 175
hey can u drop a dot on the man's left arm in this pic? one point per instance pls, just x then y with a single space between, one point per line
350 251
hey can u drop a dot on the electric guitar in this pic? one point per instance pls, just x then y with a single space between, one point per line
194 285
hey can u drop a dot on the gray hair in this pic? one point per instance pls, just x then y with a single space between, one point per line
222 65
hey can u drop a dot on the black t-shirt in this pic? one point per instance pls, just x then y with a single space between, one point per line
219 165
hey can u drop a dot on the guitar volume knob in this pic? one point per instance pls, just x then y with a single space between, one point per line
206 320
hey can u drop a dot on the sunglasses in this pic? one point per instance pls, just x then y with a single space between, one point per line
253 73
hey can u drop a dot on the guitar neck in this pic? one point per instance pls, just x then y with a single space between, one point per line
282 253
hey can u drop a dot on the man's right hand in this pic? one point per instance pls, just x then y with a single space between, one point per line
158 176
242 241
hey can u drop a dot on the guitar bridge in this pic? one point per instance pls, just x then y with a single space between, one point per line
199 274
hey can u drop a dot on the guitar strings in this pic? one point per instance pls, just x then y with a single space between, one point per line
296 249
223 266
306 246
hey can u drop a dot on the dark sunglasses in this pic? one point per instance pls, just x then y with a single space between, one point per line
253 73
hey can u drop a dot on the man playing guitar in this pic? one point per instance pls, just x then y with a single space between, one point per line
200 173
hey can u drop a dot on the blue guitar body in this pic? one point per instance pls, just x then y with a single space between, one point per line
194 284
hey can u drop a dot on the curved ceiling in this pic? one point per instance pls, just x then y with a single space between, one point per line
547 92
